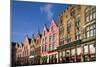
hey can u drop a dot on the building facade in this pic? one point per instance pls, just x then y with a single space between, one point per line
76 39
38 49
44 45
32 50
23 52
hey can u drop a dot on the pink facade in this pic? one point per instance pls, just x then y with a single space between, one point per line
49 42
53 35
53 40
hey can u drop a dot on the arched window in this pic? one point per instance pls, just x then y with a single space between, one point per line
68 26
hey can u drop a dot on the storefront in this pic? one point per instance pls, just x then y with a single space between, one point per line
79 54
64 56
31 60
44 59
67 56
92 49
52 58
73 55
89 52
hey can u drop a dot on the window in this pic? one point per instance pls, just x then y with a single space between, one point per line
61 21
79 51
92 48
73 52
49 38
94 30
42 48
52 28
91 30
45 47
50 47
69 39
62 41
78 35
78 23
60 54
63 53
87 18
44 33
68 26
45 39
90 15
54 38
94 13
86 49
54 46
61 32
73 13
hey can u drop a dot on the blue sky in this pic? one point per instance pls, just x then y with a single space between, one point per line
30 17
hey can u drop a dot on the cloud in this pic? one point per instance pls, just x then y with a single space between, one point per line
47 10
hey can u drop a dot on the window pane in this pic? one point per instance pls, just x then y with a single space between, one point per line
94 32
73 51
94 15
79 51
51 47
60 54
92 48
85 49
91 27
94 25
87 34
63 53
54 45
87 28
90 17
91 33
87 19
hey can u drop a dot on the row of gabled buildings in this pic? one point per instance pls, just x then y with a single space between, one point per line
73 39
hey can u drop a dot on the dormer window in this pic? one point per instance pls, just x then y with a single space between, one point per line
52 28
44 33
72 13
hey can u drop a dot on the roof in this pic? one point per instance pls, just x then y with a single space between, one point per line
40 35
29 40
22 44
34 40
46 27
13 44
55 22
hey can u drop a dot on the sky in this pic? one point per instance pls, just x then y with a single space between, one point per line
28 18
